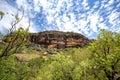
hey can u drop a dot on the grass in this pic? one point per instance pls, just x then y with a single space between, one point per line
77 54
26 56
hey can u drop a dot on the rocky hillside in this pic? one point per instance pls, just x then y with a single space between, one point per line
58 39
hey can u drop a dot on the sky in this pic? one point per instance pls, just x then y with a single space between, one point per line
87 17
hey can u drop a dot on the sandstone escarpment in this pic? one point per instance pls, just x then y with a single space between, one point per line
58 39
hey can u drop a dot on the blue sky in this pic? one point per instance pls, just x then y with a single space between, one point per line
83 16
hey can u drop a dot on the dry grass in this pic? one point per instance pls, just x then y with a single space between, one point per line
26 57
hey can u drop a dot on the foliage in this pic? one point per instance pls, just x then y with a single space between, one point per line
16 40
61 67
11 69
106 53
100 62
1 36
58 67
35 65
1 14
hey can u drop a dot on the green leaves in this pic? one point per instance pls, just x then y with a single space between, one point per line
1 14
105 51
61 67
11 69
15 41
16 17
1 36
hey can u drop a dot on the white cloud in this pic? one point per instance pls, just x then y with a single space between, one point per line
85 3
65 18
111 2
118 6
4 6
102 26
96 4
72 17
69 26
49 19
58 23
88 22
82 24
93 22
8 18
43 3
113 16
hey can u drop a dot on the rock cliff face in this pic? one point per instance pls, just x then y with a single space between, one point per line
58 39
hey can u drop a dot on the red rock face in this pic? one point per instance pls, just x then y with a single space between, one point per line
57 39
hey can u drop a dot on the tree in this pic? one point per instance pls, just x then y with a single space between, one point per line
16 38
12 69
61 67
14 42
35 65
1 35
106 53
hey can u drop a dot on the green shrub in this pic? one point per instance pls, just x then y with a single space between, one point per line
35 65
11 69
106 54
